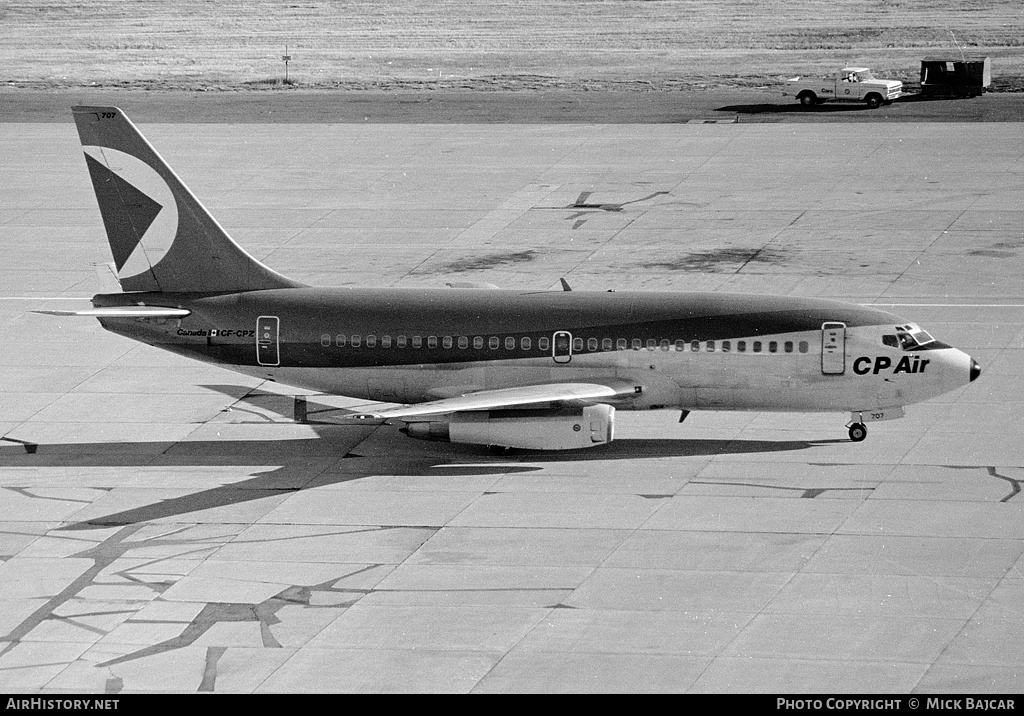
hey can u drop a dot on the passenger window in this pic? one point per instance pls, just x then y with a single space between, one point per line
726 346
757 346
804 346
371 341
356 341
463 342
606 344
773 347
788 345
741 346
591 344
695 346
637 344
400 341
709 346
665 345
478 342
325 340
446 341
385 341
417 341
680 345
526 344
493 343
651 344
510 343
431 341
340 339
543 343
577 345
621 344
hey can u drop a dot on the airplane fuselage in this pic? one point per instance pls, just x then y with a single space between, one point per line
682 350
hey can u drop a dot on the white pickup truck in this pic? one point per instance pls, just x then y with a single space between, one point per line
850 84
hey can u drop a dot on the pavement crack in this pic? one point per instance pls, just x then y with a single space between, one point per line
806 492
992 471
1014 484
213 655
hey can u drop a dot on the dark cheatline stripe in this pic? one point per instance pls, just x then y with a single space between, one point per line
307 314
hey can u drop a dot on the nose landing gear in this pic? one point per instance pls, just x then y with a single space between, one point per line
858 431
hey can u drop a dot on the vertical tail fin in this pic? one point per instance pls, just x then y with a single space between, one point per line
161 236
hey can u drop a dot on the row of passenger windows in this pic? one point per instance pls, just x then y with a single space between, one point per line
593 345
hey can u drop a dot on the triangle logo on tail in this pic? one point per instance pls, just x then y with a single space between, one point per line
139 211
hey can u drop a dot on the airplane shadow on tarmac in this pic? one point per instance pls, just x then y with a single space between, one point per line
339 461
291 478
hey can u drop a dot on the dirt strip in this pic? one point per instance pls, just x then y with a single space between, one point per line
290 105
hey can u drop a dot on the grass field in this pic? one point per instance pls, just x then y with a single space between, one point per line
504 44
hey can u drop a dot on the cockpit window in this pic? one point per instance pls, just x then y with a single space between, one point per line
922 337
909 341
890 340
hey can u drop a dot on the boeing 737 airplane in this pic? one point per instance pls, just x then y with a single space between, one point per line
507 369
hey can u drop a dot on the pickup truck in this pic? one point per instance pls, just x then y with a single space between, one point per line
850 84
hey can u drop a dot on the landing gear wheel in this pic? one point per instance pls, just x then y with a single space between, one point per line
807 99
858 431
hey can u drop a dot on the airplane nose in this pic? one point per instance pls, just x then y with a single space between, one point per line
975 370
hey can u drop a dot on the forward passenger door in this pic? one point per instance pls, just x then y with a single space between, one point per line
833 348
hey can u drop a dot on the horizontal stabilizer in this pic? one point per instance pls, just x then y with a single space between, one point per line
124 312
511 398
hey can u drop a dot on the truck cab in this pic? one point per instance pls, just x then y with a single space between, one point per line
850 84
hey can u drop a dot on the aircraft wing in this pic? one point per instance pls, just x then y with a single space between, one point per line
526 395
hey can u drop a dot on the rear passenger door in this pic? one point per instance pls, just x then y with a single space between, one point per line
267 341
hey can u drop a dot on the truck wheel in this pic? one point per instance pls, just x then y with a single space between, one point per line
807 99
874 101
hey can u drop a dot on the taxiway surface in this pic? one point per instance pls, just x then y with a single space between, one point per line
166 526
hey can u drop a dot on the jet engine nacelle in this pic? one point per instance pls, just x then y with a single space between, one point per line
526 429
